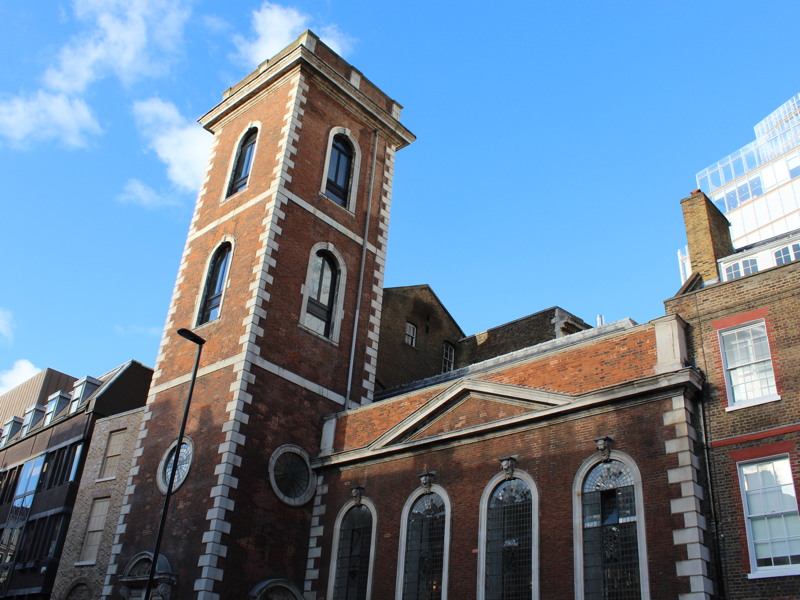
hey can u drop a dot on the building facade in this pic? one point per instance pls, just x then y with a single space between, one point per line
742 333
758 186
282 275
42 457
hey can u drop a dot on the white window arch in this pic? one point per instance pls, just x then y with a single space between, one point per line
323 315
348 201
489 493
438 590
240 164
215 282
364 570
619 473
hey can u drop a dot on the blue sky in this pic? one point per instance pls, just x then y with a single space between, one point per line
555 141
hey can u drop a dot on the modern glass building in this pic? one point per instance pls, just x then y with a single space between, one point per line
758 186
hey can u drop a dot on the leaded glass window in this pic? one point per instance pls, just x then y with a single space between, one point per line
509 542
424 562
610 538
352 558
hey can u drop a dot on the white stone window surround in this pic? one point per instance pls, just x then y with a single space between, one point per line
482 534
160 481
312 488
746 403
338 299
234 157
401 554
352 188
577 519
335 544
201 291
757 572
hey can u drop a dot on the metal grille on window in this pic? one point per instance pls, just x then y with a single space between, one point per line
610 541
508 542
422 575
352 559
292 475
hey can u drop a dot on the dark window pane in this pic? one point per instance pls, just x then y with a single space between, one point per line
244 158
215 285
352 561
424 561
339 167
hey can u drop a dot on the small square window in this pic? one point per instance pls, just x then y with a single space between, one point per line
411 334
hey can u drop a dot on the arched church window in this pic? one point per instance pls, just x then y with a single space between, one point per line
425 548
340 164
509 541
353 554
322 293
610 538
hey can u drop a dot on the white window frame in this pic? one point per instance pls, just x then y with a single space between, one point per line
733 404
448 357
84 560
483 524
235 157
352 188
335 545
410 334
401 554
338 300
577 520
757 572
199 300
120 433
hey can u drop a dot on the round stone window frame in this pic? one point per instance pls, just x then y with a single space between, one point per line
312 487
160 479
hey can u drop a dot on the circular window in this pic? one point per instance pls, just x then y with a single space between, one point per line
291 476
185 456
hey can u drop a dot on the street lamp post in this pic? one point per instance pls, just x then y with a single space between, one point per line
196 339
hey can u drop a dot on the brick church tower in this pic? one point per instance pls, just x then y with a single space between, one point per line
282 275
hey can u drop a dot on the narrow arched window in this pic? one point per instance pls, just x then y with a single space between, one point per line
322 293
337 187
424 549
244 159
215 285
610 537
352 560
509 546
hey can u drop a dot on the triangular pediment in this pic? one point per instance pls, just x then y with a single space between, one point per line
467 406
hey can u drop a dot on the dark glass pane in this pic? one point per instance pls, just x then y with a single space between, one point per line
215 285
244 158
319 310
352 562
424 561
339 167
292 475
508 542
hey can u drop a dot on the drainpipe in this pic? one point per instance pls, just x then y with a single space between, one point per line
361 270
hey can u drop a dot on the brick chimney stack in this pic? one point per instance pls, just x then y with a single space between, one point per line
707 233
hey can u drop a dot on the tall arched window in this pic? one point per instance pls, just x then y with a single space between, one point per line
353 554
244 159
215 285
321 293
610 536
425 549
509 535
337 186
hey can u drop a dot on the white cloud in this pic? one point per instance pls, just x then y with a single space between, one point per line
129 39
19 373
45 116
277 26
141 194
6 325
180 144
